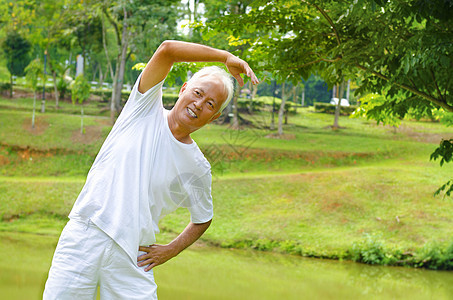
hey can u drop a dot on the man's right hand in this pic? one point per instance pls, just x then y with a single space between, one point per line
236 66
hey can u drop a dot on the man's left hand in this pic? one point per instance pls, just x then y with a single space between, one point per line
156 255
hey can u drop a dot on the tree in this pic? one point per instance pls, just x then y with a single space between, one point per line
401 49
16 50
48 28
80 92
219 38
136 25
281 110
339 96
397 46
33 72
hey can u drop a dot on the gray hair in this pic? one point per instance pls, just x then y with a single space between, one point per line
219 73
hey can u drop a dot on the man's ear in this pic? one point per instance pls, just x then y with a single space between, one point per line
183 88
215 117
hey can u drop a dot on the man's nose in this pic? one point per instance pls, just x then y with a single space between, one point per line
197 104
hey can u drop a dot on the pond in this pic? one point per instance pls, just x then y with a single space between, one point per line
203 272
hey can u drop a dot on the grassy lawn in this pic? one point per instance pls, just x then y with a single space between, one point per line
318 192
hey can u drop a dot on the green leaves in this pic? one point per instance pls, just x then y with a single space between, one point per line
80 89
444 152
16 49
393 45
34 71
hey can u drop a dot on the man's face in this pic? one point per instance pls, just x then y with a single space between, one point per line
199 102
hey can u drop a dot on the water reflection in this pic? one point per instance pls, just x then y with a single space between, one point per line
210 273
234 274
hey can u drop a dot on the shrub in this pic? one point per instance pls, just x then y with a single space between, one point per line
62 87
328 108
5 87
169 100
372 251
432 256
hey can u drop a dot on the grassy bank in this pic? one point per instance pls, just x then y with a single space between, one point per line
362 193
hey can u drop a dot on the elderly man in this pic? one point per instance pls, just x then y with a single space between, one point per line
147 167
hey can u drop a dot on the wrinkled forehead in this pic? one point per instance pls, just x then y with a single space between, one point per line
207 79
210 84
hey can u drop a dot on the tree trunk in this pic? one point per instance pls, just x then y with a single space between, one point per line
43 100
34 110
55 89
235 120
101 82
11 86
81 121
253 91
338 107
115 105
348 90
281 111
112 99
303 95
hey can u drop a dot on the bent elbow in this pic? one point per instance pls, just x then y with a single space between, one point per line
166 47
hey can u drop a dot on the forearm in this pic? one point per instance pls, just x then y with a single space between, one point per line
189 52
190 234
170 52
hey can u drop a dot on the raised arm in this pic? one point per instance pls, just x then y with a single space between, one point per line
170 52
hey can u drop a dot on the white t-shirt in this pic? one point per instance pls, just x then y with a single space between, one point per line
141 174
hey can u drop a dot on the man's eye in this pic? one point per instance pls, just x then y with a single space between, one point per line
210 104
198 93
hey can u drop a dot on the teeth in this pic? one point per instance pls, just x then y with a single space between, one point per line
191 113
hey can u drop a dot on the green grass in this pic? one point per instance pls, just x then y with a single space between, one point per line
318 193
58 131
64 106
327 211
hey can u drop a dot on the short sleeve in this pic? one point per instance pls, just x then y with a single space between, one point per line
141 105
201 210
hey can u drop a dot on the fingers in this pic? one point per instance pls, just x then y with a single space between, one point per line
151 264
249 73
237 66
150 261
253 77
239 79
150 267
151 258
145 248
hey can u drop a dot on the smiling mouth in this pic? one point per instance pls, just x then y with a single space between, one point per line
191 113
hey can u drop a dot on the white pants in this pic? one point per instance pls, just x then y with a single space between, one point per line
86 258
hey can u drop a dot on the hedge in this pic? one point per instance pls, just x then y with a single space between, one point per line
328 108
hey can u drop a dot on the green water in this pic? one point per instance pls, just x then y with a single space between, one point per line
211 273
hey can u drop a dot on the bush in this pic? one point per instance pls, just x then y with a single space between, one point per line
245 103
372 251
62 87
328 108
4 87
107 94
169 100
432 256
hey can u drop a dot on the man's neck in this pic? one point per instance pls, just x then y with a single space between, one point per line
180 133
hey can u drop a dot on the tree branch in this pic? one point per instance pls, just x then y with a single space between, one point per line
424 95
326 16
435 83
104 44
313 62
114 24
